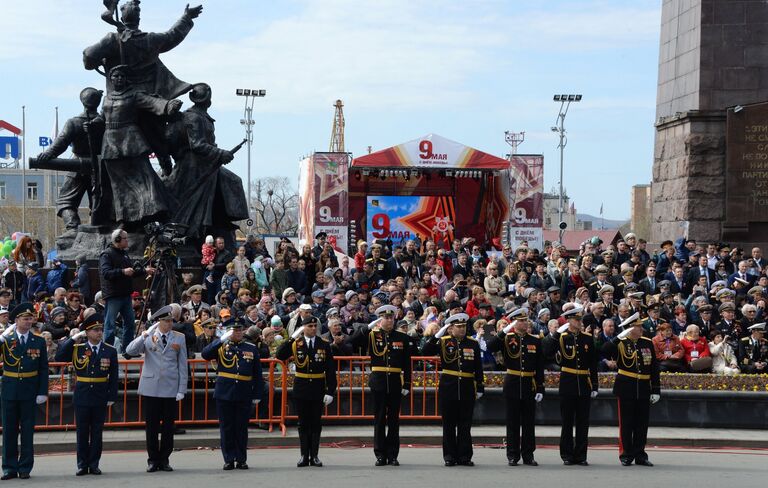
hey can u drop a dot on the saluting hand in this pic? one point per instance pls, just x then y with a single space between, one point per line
297 333
440 333
7 332
509 327
562 328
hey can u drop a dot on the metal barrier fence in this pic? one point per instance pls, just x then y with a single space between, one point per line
352 398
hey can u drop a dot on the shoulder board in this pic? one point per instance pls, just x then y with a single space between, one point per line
745 339
534 335
177 333
445 338
646 338
584 333
108 345
471 338
249 343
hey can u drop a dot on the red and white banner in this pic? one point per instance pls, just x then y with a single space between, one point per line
323 198
526 195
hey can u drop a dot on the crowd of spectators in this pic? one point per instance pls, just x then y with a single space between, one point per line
699 301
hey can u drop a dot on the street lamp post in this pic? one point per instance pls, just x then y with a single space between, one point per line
247 121
565 103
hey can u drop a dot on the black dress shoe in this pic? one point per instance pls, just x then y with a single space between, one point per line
166 467
152 468
583 463
304 462
81 472
531 462
315 461
450 463
467 463
242 465
644 462
228 466
8 476
626 462
394 462
95 471
23 476
512 462
381 462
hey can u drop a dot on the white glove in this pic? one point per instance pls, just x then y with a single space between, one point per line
440 333
179 397
149 331
297 332
562 328
78 335
593 394
255 401
226 335
7 332
404 392
655 398
509 327
109 404
373 324
478 395
538 397
624 334
40 399
327 399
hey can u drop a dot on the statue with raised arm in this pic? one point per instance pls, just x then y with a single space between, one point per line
140 53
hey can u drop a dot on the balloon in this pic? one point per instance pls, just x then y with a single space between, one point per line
7 249
13 244
13 236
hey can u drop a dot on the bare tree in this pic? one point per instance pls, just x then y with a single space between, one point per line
275 204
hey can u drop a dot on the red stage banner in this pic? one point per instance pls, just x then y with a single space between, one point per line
324 198
526 194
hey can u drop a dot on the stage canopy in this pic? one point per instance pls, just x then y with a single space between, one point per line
431 151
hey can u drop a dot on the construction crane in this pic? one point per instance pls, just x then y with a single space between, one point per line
337 134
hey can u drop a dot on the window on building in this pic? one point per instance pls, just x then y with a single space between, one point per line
32 191
2 190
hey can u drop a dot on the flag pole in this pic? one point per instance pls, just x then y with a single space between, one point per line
23 168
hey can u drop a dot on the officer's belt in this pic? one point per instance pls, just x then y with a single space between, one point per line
88 379
575 371
461 374
13 374
385 369
635 375
235 376
310 376
526 374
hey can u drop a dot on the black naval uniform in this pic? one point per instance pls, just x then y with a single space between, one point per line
315 377
578 379
238 384
524 360
390 372
96 368
461 379
636 381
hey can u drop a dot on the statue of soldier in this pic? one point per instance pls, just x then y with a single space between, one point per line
211 197
132 193
76 185
140 52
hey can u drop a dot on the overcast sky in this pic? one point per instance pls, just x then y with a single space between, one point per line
467 70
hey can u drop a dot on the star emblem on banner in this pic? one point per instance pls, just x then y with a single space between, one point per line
332 183
422 221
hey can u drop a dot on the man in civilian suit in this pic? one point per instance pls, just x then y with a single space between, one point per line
701 270
95 364
162 384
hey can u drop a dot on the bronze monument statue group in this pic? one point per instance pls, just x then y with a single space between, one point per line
141 116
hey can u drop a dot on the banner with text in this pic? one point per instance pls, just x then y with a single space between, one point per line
526 195
331 196
401 218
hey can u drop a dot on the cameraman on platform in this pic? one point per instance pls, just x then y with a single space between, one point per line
116 272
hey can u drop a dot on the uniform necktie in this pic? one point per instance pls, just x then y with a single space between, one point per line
165 341
95 350
23 340
653 284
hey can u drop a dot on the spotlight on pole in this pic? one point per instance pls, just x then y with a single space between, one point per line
565 103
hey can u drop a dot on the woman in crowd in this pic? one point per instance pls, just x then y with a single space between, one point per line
202 315
24 254
669 352
75 309
360 255
723 357
439 281
208 334
494 285
473 305
697 356
241 263
249 283
57 324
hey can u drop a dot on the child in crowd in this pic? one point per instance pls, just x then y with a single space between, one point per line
209 254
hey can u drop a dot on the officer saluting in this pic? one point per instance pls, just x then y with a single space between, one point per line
523 384
390 379
313 386
95 364
461 383
636 387
238 385
24 384
578 385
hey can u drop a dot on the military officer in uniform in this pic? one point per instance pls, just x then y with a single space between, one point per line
637 387
238 386
95 364
390 379
461 383
575 351
314 384
753 350
523 384
24 384
163 383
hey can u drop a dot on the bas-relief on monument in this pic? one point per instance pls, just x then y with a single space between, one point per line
140 115
710 169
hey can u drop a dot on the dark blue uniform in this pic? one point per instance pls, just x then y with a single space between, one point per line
97 376
238 383
25 376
